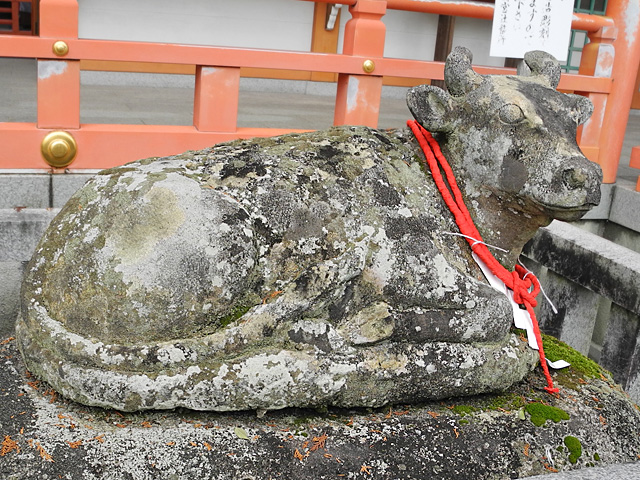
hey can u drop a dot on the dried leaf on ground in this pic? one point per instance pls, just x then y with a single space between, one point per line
9 445
241 433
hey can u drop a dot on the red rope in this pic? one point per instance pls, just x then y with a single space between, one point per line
524 284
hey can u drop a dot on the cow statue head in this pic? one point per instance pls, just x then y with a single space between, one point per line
512 141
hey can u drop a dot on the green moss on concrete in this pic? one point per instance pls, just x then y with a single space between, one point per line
304 421
235 314
463 410
554 350
540 413
507 401
575 448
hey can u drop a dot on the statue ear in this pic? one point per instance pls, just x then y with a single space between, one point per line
430 106
581 108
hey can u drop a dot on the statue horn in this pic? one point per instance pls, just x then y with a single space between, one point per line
459 76
544 64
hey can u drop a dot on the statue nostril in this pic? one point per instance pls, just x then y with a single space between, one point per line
574 178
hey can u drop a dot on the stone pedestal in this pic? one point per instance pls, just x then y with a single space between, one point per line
518 433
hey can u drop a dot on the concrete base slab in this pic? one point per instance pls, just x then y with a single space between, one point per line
576 309
20 231
11 275
590 261
63 186
20 191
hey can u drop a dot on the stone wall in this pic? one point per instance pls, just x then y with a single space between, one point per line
595 283
27 204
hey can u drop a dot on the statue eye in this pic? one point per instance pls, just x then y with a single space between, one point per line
511 114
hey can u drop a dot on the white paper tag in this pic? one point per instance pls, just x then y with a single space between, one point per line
558 364
521 318
519 27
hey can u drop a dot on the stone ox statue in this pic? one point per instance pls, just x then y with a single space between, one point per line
308 269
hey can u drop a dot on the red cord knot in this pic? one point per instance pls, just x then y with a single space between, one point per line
525 287
520 289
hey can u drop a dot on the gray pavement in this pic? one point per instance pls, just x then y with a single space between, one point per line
627 471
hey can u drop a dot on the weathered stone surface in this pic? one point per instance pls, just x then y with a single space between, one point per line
513 141
485 437
309 269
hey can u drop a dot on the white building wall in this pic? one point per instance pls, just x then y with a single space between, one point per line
412 35
475 34
272 24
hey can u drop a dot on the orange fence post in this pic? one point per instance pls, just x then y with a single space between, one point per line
59 19
323 40
358 96
627 47
58 94
59 80
215 106
597 61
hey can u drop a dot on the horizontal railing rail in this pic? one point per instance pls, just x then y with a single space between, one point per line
123 51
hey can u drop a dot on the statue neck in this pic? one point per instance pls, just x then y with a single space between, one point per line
500 219
503 226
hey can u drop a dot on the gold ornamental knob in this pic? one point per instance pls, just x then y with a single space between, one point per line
60 48
368 66
59 149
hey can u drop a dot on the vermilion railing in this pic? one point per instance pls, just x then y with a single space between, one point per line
361 67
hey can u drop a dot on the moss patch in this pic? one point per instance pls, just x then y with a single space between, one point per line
554 350
575 448
540 413
235 314
463 410
506 401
